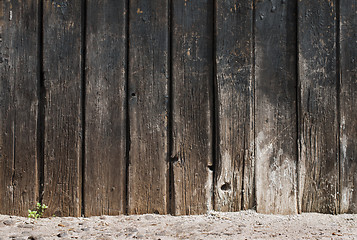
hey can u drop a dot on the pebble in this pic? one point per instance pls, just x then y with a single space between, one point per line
102 237
39 238
15 237
36 237
8 222
25 226
62 234
162 233
149 217
131 230
139 236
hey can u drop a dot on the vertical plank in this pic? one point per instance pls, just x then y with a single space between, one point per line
234 178
348 113
318 134
19 81
62 83
192 73
105 127
148 105
275 107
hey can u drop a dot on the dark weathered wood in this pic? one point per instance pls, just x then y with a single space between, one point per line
318 133
242 121
192 76
275 107
348 113
234 183
62 127
19 81
105 135
148 105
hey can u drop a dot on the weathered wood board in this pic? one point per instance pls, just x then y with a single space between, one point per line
234 177
348 110
275 107
178 106
192 106
19 96
62 50
105 107
318 124
148 106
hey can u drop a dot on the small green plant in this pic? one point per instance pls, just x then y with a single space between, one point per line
40 209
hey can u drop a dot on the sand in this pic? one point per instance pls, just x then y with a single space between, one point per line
214 225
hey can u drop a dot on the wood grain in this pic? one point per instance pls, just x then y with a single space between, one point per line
275 107
192 94
19 82
318 124
234 177
62 41
148 106
105 128
178 106
348 113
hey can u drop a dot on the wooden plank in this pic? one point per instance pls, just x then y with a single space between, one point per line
348 113
234 178
318 133
275 107
19 81
148 105
62 82
105 136
192 82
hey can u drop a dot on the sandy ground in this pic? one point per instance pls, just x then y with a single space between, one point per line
215 225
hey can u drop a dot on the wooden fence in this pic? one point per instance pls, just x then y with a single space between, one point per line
178 106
